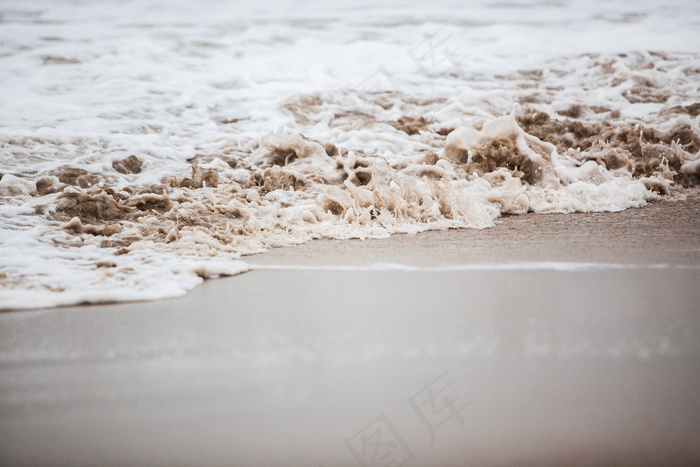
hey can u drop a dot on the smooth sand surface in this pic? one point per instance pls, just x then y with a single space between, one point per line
444 364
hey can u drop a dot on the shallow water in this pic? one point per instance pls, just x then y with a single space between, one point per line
144 147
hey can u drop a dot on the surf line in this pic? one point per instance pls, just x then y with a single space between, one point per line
524 266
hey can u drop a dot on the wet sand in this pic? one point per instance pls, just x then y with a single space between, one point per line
440 365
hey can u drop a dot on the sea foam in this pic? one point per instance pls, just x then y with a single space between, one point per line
150 148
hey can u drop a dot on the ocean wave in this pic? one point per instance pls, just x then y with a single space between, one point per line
121 181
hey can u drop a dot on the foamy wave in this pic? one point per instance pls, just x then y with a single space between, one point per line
133 168
156 241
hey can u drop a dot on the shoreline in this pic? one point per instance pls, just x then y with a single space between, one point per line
569 240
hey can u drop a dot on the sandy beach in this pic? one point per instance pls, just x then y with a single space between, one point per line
479 225
546 340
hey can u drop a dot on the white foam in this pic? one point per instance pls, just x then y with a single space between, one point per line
86 85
